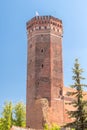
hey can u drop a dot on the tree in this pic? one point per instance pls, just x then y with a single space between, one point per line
12 115
80 113
1 124
6 120
20 114
52 127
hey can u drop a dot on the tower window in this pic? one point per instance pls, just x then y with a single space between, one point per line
42 65
30 60
45 27
42 50
39 27
60 92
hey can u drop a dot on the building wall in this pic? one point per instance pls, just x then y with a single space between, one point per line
44 71
56 66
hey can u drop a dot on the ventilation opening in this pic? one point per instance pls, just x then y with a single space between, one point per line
45 27
30 60
60 92
39 27
42 65
42 50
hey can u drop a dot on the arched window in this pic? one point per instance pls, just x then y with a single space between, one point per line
42 50
60 92
42 65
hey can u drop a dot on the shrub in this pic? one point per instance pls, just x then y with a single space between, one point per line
52 127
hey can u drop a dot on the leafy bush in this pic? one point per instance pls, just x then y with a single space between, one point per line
52 127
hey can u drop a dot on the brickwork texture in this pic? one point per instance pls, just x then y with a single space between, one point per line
44 72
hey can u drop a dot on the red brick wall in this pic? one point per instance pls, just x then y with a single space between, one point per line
42 66
56 112
44 70
56 66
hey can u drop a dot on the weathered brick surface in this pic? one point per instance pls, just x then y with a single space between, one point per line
56 67
44 71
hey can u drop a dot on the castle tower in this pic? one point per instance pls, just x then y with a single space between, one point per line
44 71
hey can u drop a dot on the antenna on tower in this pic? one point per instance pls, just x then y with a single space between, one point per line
37 14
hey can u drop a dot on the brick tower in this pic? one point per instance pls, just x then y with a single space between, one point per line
44 72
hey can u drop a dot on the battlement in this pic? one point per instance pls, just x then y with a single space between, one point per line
45 23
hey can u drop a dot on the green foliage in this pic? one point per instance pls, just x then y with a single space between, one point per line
12 116
19 111
53 127
80 113
46 127
2 126
6 120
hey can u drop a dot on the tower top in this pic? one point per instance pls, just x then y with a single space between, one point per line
45 18
45 22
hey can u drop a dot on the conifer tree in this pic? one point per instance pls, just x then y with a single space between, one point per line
13 116
79 114
6 120
20 114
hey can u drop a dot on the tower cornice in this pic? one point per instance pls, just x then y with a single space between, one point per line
45 23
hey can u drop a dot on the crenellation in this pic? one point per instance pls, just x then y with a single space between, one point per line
44 22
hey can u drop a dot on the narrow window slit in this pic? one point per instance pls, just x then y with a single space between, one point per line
42 65
42 50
